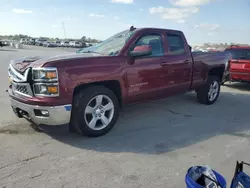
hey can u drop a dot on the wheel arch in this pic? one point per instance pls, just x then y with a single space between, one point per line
113 85
217 71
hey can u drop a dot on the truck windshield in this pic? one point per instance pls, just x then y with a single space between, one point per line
110 46
239 53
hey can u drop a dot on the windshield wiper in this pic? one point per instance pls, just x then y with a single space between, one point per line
90 52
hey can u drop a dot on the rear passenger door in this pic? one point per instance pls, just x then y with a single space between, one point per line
178 62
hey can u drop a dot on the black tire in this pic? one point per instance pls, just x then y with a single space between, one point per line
203 92
80 102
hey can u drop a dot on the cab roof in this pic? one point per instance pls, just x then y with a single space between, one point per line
132 28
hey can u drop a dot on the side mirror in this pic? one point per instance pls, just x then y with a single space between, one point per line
142 50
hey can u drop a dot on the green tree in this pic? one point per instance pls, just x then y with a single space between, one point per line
83 39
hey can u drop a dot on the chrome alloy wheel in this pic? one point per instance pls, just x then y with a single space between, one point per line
213 90
99 112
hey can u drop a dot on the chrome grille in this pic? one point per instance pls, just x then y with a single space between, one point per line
13 75
22 89
16 76
19 83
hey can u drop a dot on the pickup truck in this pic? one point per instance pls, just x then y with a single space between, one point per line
239 64
87 88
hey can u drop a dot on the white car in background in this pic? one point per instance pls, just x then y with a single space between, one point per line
23 41
71 43
75 44
58 43
49 44
65 43
39 42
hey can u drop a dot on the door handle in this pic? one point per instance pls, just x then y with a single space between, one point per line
187 62
164 64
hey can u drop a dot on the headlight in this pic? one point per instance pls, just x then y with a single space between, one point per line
41 74
46 89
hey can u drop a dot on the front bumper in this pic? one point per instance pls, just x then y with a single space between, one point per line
57 115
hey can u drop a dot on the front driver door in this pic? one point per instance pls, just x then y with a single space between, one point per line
146 77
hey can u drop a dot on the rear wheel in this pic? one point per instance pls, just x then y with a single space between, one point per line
95 111
209 93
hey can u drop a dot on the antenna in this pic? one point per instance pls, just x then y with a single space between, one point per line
64 30
132 28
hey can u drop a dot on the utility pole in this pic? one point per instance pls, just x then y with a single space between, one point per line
64 30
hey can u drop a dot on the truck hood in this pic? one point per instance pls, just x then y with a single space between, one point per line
38 61
23 63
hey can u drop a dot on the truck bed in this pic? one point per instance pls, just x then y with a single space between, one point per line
210 58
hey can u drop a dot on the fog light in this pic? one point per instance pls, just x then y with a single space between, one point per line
41 113
45 112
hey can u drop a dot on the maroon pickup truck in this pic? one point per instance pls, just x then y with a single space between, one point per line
87 88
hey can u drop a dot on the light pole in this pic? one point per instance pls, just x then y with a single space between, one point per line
64 30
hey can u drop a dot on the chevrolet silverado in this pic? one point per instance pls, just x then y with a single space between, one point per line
86 89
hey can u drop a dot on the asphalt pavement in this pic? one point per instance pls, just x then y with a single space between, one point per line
152 145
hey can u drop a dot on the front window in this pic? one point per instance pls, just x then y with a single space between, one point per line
239 54
156 43
110 46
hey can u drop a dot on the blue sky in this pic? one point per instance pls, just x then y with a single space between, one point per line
200 20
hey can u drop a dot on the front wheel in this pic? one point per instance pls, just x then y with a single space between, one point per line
209 93
95 111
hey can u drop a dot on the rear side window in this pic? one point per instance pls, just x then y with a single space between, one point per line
175 44
155 41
